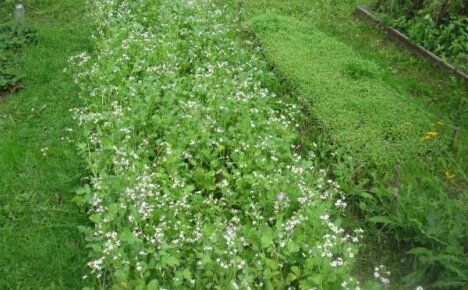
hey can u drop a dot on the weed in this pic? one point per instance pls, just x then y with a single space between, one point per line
440 26
8 77
16 37
197 178
12 37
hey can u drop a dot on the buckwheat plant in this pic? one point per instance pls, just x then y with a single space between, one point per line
196 180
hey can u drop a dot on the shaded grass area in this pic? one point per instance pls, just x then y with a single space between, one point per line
40 246
413 209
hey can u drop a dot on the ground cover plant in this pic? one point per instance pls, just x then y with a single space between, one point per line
40 245
196 179
8 78
394 199
345 93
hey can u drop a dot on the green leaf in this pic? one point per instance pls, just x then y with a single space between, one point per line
120 276
95 218
127 237
296 270
381 220
83 190
187 274
317 279
419 251
267 237
272 264
291 277
153 285
113 209
292 247
170 261
366 195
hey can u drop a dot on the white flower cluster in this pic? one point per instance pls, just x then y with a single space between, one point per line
382 275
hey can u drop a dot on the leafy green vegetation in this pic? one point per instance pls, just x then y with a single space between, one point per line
8 78
197 178
221 144
327 76
40 246
12 38
361 114
439 25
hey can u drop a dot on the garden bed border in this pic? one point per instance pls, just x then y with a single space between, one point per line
364 14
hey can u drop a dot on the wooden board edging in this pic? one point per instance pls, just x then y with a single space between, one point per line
396 36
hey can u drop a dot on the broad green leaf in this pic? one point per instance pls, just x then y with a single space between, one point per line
95 218
267 238
170 260
381 220
292 247
153 285
127 236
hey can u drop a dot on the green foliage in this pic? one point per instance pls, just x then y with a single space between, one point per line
418 214
346 94
12 38
198 180
8 77
440 26
441 11
187 152
361 68
449 41
408 203
16 37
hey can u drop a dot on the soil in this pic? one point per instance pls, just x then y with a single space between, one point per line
4 94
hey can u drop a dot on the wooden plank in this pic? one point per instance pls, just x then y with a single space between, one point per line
404 40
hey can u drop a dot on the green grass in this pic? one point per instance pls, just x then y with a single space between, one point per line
360 112
436 92
358 89
40 246
356 71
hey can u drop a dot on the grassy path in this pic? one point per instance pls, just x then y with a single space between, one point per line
40 247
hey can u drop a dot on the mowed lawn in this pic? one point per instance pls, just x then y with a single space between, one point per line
40 246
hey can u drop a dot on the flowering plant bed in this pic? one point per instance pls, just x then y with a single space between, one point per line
197 177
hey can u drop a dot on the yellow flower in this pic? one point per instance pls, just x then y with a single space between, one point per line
449 175
429 135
